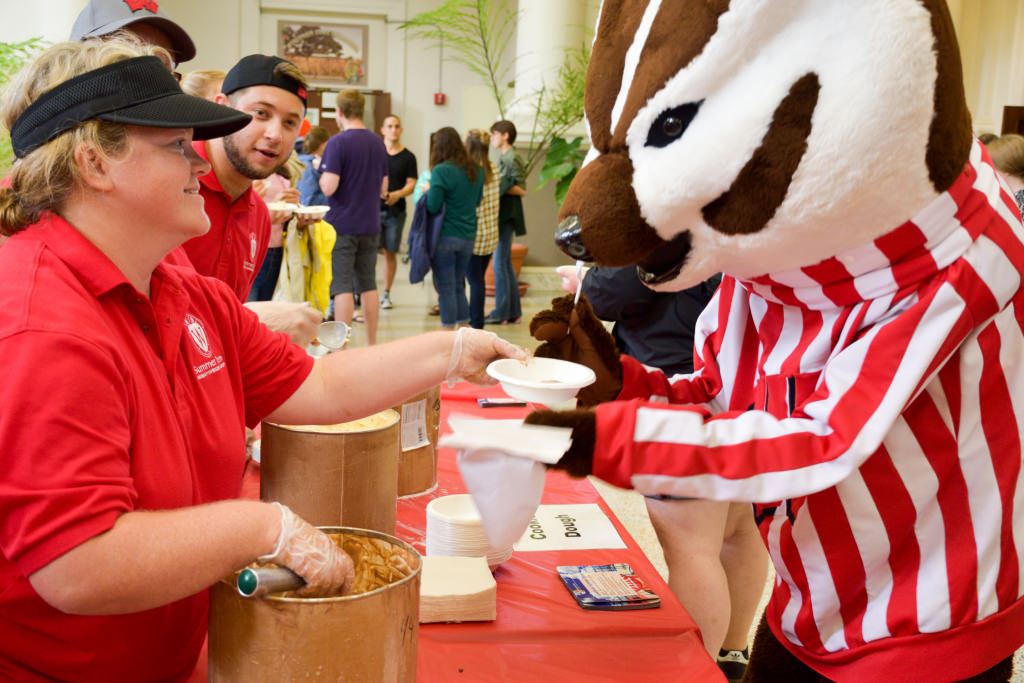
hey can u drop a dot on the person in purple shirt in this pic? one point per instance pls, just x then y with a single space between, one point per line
354 177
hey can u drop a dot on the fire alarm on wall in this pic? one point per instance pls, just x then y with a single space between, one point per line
439 98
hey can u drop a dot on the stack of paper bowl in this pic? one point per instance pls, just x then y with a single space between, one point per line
454 529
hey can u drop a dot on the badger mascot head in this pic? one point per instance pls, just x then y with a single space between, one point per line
753 137
857 374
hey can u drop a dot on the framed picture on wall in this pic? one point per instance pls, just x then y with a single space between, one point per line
330 53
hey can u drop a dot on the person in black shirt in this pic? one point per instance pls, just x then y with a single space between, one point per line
402 175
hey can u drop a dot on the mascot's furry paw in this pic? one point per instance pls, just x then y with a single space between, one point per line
575 334
578 461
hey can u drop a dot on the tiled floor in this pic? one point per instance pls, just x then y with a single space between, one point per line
409 317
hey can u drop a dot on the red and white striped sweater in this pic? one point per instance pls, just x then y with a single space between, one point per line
871 407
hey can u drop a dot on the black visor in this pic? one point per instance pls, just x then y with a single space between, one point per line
139 91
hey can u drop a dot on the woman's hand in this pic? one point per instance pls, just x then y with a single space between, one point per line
310 553
473 350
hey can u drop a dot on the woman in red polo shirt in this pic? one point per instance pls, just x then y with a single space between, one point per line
128 382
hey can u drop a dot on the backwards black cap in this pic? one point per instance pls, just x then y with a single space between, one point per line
138 91
260 70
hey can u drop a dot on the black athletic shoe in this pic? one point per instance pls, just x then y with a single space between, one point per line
733 663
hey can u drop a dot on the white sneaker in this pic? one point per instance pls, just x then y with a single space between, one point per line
385 302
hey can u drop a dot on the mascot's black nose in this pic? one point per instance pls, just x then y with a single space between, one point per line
569 238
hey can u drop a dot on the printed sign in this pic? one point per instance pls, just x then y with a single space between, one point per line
569 527
414 425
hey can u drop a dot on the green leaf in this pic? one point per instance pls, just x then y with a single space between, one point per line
475 33
12 57
554 172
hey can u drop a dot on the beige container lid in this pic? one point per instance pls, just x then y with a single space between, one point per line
371 423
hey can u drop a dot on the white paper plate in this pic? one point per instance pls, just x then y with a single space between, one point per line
282 206
316 212
541 380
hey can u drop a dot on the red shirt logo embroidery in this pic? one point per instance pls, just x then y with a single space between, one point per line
136 5
198 334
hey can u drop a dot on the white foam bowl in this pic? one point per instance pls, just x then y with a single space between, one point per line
282 206
457 508
454 528
314 212
541 380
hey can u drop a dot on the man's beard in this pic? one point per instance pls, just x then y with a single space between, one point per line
234 155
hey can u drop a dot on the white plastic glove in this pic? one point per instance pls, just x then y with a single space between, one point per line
298 321
473 350
310 553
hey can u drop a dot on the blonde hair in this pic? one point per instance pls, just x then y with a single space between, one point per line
1007 154
351 104
291 71
198 83
44 178
477 146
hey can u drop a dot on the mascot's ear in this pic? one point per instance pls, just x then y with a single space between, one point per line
950 136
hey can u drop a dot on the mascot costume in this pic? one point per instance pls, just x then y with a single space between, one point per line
859 375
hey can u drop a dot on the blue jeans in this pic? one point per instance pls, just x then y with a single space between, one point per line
391 225
506 289
477 289
450 263
266 280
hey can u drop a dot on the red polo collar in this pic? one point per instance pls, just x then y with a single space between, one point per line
212 183
92 267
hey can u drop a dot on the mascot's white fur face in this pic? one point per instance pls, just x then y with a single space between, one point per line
761 136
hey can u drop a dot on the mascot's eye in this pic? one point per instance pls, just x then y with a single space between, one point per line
671 124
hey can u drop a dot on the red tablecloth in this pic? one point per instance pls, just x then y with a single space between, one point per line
541 634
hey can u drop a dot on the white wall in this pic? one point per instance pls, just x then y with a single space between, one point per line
51 19
227 29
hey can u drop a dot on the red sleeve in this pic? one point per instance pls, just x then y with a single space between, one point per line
66 468
700 387
261 221
755 456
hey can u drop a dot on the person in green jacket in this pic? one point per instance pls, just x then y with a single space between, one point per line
456 183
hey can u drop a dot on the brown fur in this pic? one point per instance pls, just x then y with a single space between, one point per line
678 34
950 137
578 461
761 185
575 334
599 197
619 21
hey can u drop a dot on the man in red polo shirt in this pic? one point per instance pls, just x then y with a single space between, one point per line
272 91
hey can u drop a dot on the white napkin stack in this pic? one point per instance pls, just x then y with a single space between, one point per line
502 464
457 589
